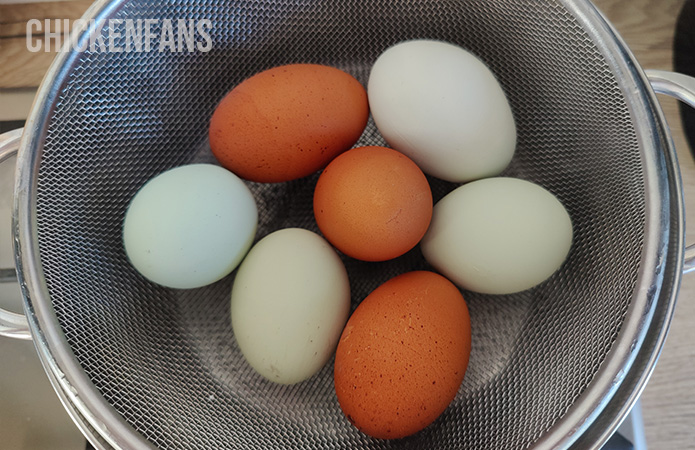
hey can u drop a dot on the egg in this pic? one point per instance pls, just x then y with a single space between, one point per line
498 235
287 122
442 107
403 355
373 203
189 226
289 303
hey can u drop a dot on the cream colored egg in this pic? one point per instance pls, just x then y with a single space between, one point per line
498 235
290 302
190 226
442 106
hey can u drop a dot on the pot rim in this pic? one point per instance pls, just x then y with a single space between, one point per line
593 417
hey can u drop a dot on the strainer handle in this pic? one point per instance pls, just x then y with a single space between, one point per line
11 324
680 87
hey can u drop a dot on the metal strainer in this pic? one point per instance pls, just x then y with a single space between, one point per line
139 365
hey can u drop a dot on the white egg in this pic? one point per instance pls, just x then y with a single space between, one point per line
290 302
190 226
498 235
442 106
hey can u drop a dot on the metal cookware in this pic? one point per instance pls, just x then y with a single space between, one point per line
138 365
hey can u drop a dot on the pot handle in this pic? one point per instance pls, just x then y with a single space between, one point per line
680 87
11 324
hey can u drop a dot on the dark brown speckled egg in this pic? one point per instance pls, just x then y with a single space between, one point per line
402 355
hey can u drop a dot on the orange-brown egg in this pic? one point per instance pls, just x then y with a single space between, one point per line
402 355
373 203
288 122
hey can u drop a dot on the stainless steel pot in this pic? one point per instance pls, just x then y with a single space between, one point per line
139 365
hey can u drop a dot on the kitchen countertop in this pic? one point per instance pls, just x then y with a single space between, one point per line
647 26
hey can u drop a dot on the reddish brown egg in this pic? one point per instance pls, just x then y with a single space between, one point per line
402 355
373 203
288 122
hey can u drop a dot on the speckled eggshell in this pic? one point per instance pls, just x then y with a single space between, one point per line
373 203
402 355
287 122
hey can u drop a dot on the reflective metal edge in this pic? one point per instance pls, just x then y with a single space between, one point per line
91 411
599 411
79 395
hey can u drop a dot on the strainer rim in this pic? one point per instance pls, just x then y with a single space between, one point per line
87 404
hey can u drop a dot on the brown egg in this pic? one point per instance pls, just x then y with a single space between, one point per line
373 203
402 355
288 122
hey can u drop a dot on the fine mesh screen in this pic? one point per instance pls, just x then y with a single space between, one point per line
167 361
